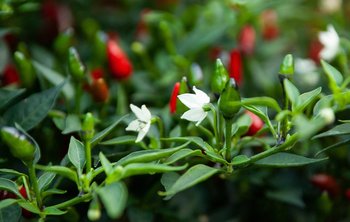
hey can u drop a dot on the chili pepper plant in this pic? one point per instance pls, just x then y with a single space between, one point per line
174 110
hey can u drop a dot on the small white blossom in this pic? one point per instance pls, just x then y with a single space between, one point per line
330 6
307 70
330 41
328 115
195 102
142 123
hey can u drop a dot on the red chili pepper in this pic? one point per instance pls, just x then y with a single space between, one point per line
314 51
99 90
173 98
119 63
347 193
255 125
214 53
270 28
97 73
326 183
10 75
235 66
246 40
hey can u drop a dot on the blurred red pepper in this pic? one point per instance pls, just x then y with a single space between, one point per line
314 51
246 40
173 98
22 190
10 75
97 73
326 182
119 63
235 66
347 193
255 125
99 90
269 24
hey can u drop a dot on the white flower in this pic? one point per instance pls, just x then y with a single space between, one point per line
328 115
307 70
142 123
330 41
195 103
330 6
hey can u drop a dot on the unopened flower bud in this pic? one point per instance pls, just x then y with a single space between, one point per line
328 115
88 127
76 68
220 77
229 100
287 66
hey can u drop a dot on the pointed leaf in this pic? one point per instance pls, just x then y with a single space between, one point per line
60 170
72 124
76 153
101 135
149 168
7 202
292 92
31 111
334 76
7 95
120 140
114 197
11 171
45 180
341 129
183 153
107 166
53 211
9 185
307 98
286 160
14 212
55 78
193 176
262 101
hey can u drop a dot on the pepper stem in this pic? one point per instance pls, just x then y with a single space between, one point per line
34 183
228 139
87 144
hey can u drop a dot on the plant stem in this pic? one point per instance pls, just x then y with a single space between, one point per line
78 93
73 201
228 139
215 125
284 123
34 183
88 155
121 100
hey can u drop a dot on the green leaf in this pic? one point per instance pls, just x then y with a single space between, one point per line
7 202
107 166
307 98
55 78
53 211
209 151
11 171
149 168
9 185
29 206
14 212
182 154
120 140
286 160
262 101
193 176
7 95
339 144
72 124
76 154
53 191
60 170
148 155
292 92
101 135
342 129
45 180
334 76
32 110
290 196
168 180
114 197
324 102
237 160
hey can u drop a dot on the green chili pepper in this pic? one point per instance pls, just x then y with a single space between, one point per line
19 145
287 66
220 77
88 127
76 67
25 68
229 100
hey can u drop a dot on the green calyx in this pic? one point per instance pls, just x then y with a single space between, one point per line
88 126
20 146
220 77
76 67
287 66
229 100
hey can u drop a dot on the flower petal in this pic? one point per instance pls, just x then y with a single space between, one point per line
190 100
202 97
142 133
137 111
133 126
146 114
194 115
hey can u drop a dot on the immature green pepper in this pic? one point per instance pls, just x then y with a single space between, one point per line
88 127
287 66
25 69
220 77
19 145
229 100
76 67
